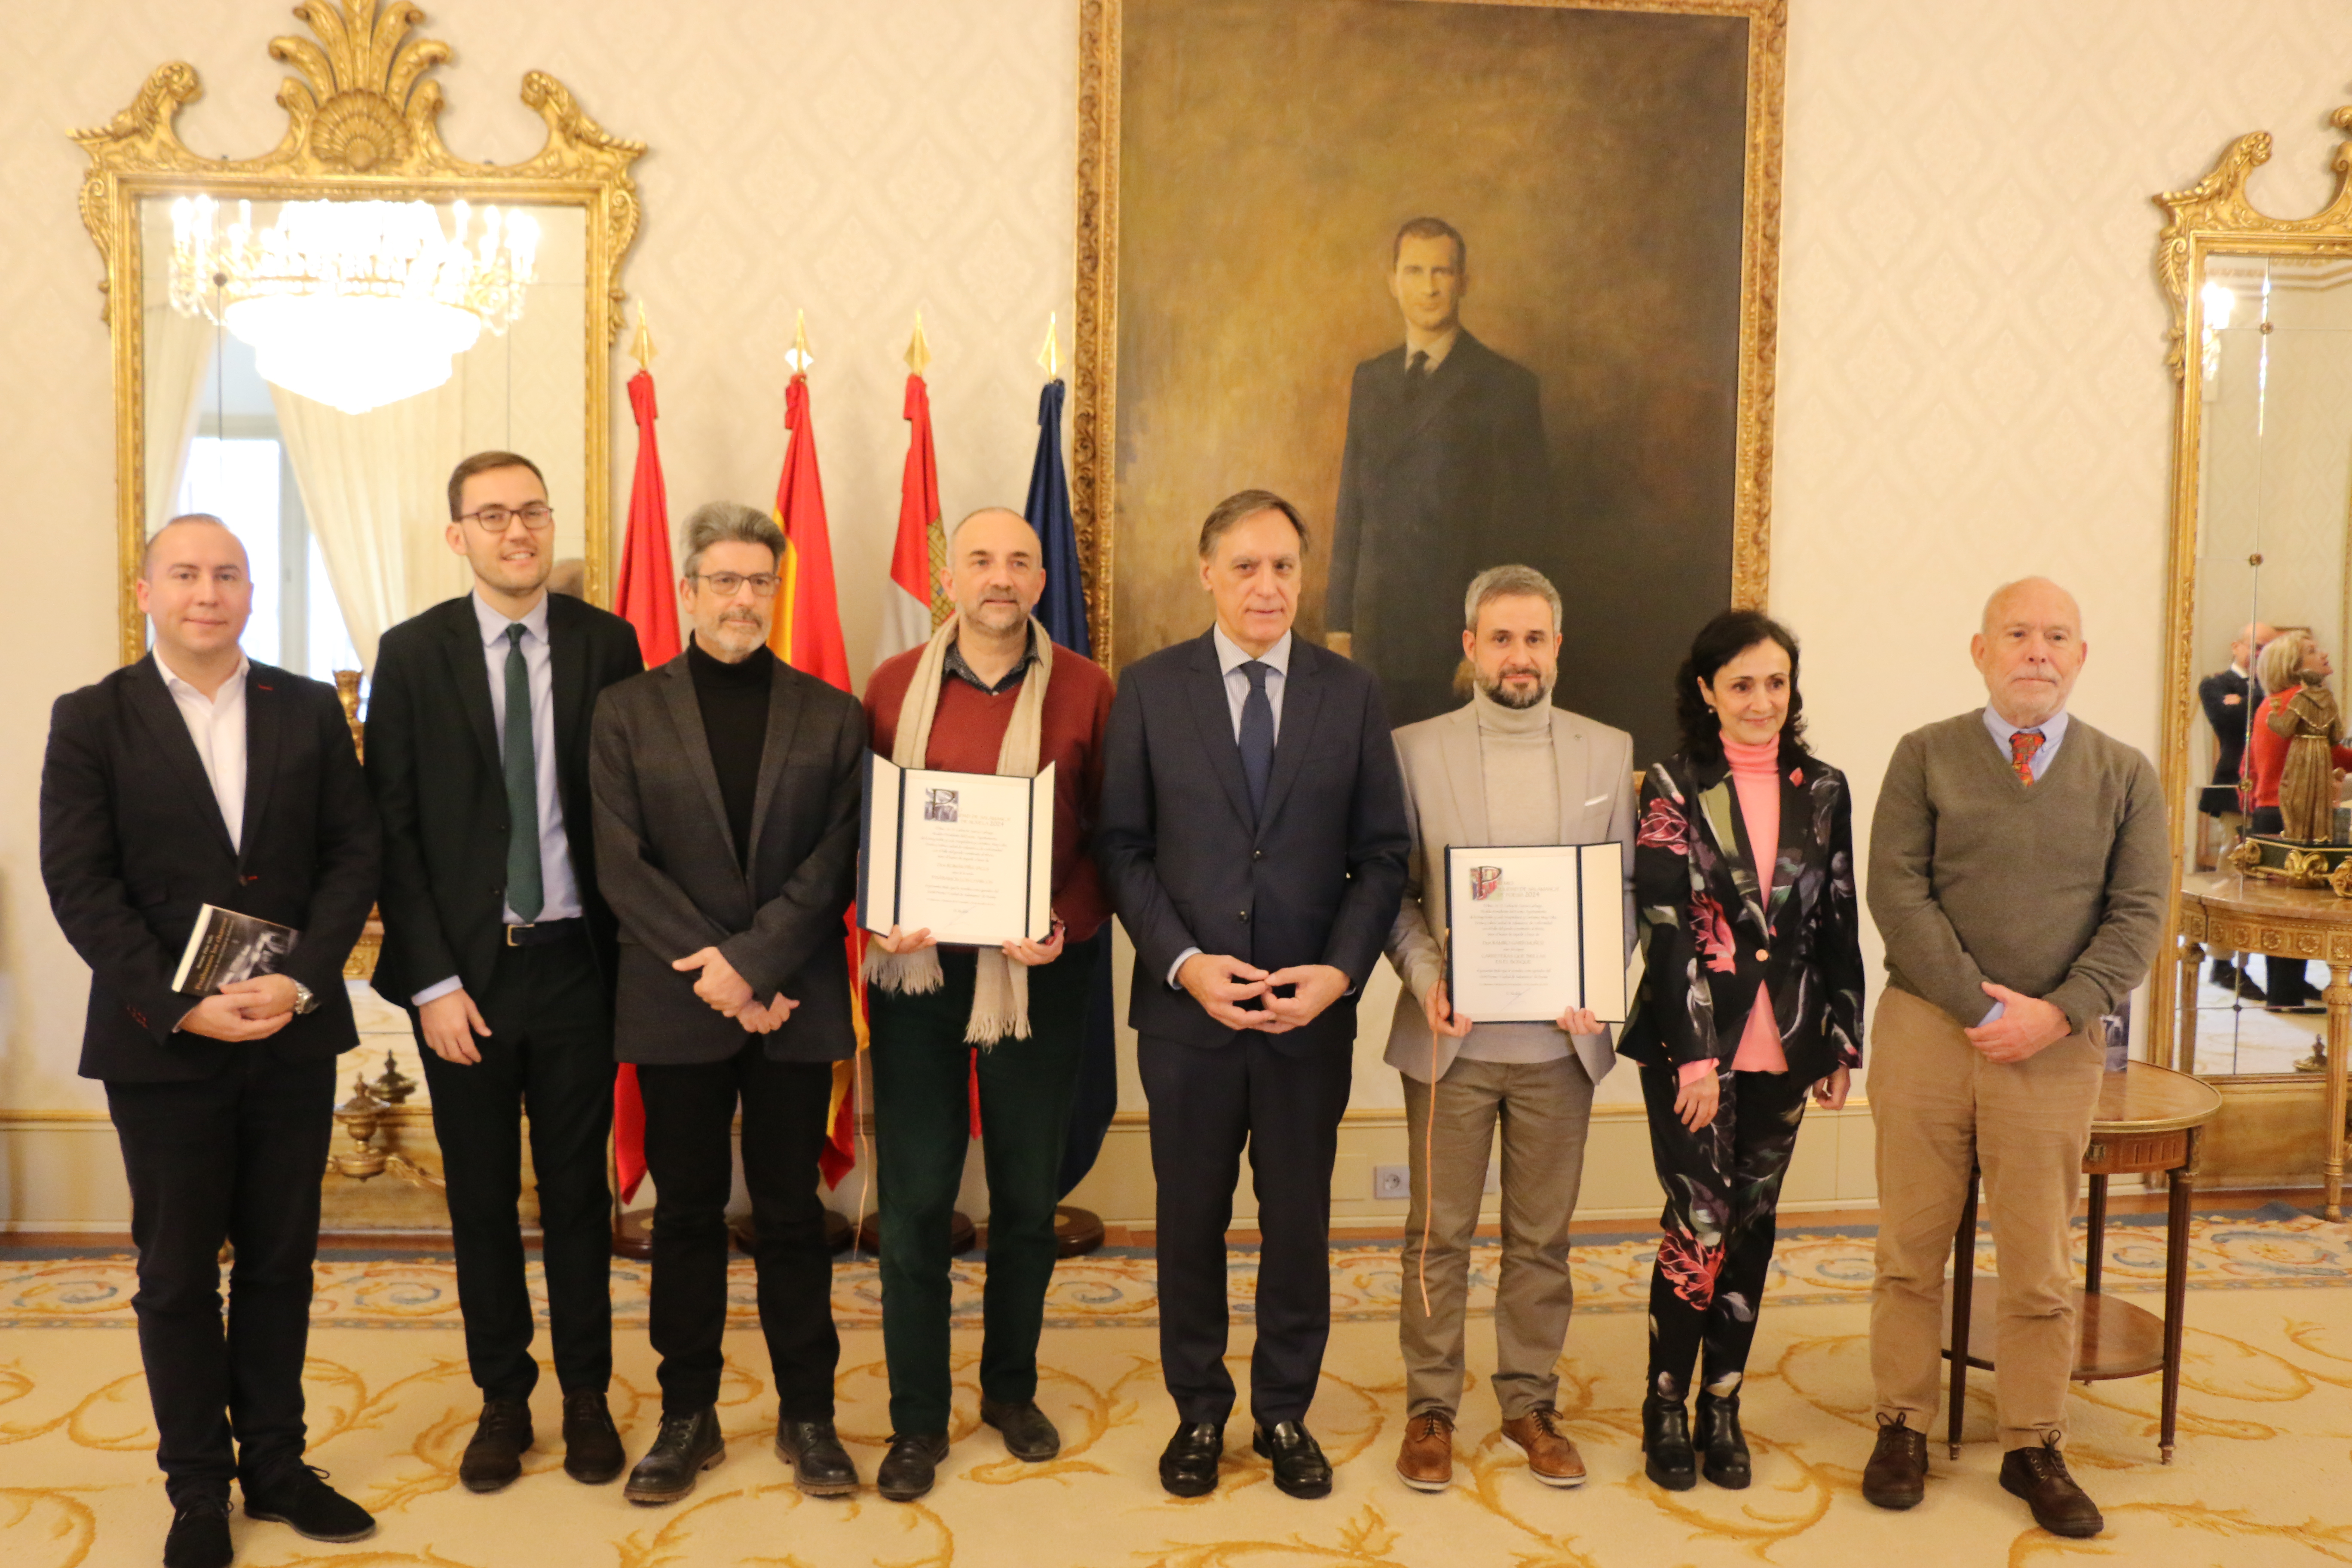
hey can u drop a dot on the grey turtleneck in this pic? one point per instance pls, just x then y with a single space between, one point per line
1522 778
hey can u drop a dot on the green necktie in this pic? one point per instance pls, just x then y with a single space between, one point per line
525 893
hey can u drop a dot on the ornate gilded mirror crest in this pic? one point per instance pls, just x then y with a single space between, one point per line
362 127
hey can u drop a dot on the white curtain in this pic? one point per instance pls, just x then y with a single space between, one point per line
376 485
179 351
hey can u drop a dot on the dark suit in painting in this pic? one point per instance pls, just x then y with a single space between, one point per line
1445 473
220 1140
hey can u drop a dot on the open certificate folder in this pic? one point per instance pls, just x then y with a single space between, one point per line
970 856
1535 930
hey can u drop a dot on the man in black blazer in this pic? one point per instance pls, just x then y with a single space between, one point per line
727 788
498 943
1444 473
1254 840
195 777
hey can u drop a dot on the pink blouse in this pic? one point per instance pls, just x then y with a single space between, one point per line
1756 778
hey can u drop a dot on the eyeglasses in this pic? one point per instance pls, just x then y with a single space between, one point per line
725 584
535 517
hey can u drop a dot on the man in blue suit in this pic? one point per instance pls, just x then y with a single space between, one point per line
1253 835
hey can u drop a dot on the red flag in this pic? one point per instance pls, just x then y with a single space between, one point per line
647 600
914 600
807 635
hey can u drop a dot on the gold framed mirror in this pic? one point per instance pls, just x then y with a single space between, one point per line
2253 993
311 339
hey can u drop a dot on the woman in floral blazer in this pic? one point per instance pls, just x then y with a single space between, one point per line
1751 998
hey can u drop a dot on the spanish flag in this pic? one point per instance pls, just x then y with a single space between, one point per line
807 635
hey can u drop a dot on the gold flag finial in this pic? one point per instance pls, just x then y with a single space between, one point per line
918 348
641 350
1050 356
798 355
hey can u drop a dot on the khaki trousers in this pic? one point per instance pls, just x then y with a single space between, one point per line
1937 1104
1544 1109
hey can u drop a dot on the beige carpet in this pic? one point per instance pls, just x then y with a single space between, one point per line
2263 1473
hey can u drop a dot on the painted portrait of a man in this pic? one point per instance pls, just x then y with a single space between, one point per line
1444 473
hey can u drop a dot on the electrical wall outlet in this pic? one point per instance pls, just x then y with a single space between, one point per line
1392 1181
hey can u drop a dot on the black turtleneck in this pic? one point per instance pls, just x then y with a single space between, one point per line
734 702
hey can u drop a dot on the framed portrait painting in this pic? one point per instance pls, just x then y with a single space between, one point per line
1468 283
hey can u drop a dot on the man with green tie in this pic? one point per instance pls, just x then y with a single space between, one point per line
497 944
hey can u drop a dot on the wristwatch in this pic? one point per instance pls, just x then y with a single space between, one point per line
305 999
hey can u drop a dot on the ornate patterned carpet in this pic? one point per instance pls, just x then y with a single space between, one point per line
2261 1477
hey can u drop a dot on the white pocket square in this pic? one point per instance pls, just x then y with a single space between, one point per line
1596 800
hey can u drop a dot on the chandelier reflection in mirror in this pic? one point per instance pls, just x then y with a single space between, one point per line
354 304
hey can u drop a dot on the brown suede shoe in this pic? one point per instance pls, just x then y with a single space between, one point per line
1426 1460
1897 1476
2038 1475
1552 1459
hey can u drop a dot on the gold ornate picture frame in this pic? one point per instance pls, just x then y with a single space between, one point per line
361 123
1154 356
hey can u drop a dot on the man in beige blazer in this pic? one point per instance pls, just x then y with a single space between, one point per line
1507 768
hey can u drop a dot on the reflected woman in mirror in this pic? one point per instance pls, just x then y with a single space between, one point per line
1743 870
2299 715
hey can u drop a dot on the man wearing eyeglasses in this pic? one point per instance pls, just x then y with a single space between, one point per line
497 943
726 787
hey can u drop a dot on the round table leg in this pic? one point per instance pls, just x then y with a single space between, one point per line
2184 1047
2339 1034
2175 1288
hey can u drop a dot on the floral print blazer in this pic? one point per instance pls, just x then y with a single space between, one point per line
1710 941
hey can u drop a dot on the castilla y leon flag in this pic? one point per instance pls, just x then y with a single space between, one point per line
914 598
647 600
807 635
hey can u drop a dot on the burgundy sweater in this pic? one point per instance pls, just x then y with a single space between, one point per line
968 731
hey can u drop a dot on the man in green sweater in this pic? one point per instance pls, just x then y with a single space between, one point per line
2018 872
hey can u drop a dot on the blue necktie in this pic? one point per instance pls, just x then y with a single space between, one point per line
526 893
1258 734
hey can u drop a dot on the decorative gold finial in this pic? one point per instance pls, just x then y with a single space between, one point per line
1050 356
918 348
641 350
798 355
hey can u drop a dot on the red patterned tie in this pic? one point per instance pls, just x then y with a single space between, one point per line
2022 744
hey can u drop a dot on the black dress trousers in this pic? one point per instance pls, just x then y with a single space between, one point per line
550 1053
689 1108
1207 1103
236 1157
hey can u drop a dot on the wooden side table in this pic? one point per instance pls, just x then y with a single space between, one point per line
2147 1120
2252 914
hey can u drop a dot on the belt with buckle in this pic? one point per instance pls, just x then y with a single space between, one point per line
539 933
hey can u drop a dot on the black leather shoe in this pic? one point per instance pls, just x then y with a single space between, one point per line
2038 1475
592 1447
1897 1475
1721 1444
494 1457
821 1466
687 1444
1300 1466
1028 1434
911 1466
199 1537
1188 1465
299 1496
1667 1442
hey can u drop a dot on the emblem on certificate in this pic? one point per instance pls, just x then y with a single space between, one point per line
1535 930
968 856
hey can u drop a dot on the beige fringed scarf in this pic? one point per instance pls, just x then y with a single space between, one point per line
1000 998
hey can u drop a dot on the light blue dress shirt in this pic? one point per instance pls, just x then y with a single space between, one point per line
1231 657
2053 731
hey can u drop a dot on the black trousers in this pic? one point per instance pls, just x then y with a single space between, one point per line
1207 1104
1721 1219
236 1157
550 1053
688 1108
2286 982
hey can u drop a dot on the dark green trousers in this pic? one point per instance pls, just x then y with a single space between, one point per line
922 1127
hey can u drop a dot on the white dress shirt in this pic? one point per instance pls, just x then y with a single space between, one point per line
216 724
1436 348
561 889
1231 657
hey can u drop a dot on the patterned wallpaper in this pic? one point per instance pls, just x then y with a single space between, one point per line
1971 372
